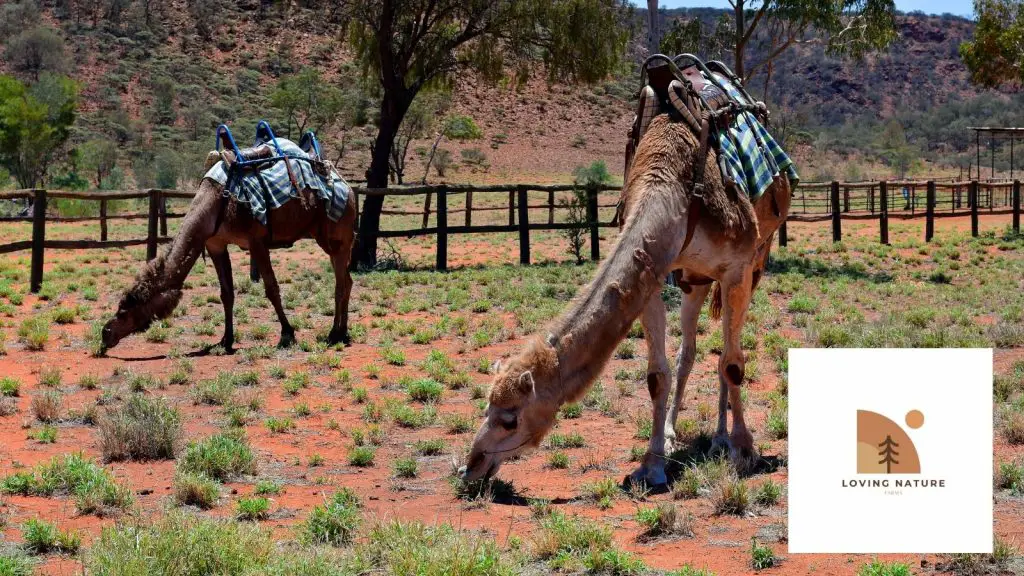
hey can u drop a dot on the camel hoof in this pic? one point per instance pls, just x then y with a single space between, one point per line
651 472
338 337
287 340
720 446
228 346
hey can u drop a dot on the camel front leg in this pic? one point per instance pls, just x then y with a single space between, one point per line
222 264
689 314
342 292
261 256
659 384
736 299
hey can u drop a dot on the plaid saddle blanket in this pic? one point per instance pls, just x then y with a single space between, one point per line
748 154
245 185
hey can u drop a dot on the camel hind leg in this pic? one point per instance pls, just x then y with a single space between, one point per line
689 314
736 293
261 257
659 384
342 292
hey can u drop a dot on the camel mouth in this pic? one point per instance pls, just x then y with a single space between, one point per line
467 475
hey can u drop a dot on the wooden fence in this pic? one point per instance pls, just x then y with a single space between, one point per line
835 201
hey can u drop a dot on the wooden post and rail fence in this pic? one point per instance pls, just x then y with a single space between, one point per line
812 202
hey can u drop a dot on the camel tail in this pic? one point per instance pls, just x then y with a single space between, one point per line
716 302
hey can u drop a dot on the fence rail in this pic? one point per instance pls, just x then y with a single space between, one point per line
812 202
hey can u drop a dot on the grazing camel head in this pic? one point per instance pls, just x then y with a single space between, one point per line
524 400
148 300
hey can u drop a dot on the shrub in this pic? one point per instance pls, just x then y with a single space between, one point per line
361 456
141 429
335 522
213 545
221 457
195 490
405 468
425 390
47 406
9 386
768 493
264 487
761 557
253 508
45 435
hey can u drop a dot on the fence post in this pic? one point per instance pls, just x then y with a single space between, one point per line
103 220
511 207
469 208
524 226
871 199
154 212
426 210
38 240
595 248
846 198
1016 206
883 212
783 237
929 211
837 223
551 206
163 215
442 228
972 196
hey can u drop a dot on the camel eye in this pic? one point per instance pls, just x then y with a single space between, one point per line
508 419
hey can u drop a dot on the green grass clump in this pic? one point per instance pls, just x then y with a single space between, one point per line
140 429
409 417
44 435
558 460
424 390
405 468
92 486
49 377
574 544
196 490
429 447
217 392
335 522
768 493
15 564
573 440
361 456
761 557
571 411
257 508
399 548
42 537
279 425
214 546
878 568
267 487
221 457
34 332
9 386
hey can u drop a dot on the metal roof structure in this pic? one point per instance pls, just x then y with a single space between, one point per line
996 133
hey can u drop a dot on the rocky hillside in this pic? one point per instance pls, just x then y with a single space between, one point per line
156 78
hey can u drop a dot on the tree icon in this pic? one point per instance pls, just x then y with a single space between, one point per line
887 453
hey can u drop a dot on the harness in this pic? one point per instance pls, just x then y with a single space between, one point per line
689 91
265 152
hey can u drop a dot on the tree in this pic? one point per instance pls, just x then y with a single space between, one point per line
887 453
307 102
457 127
996 56
99 156
846 28
35 51
35 122
416 124
692 36
409 45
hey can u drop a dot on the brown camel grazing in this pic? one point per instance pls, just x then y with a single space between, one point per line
730 245
214 221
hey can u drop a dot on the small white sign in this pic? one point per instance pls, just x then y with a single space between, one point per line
890 451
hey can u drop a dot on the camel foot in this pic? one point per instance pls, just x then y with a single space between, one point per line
720 446
651 471
338 336
287 339
743 455
228 344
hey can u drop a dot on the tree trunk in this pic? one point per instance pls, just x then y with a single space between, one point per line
392 110
740 44
653 30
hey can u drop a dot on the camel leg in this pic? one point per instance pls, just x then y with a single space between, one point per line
222 264
659 384
261 256
689 313
735 300
342 291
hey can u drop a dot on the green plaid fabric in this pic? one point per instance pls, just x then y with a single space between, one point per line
246 187
748 154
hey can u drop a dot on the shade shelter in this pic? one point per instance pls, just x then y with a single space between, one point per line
995 133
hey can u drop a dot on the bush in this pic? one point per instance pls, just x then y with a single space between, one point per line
361 456
335 522
9 386
221 457
195 490
141 429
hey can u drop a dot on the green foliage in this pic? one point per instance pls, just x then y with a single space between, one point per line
195 489
92 486
42 537
879 568
221 457
15 564
307 102
253 508
141 429
996 55
595 174
34 51
335 522
35 122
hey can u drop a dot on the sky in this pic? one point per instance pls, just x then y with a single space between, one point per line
958 7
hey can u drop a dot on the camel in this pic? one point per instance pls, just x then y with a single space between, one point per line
729 245
214 221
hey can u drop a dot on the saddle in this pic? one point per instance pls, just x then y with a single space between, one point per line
690 91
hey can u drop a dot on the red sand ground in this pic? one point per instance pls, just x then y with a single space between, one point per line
721 543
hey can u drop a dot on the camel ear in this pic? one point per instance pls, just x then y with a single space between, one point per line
496 367
211 160
526 384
